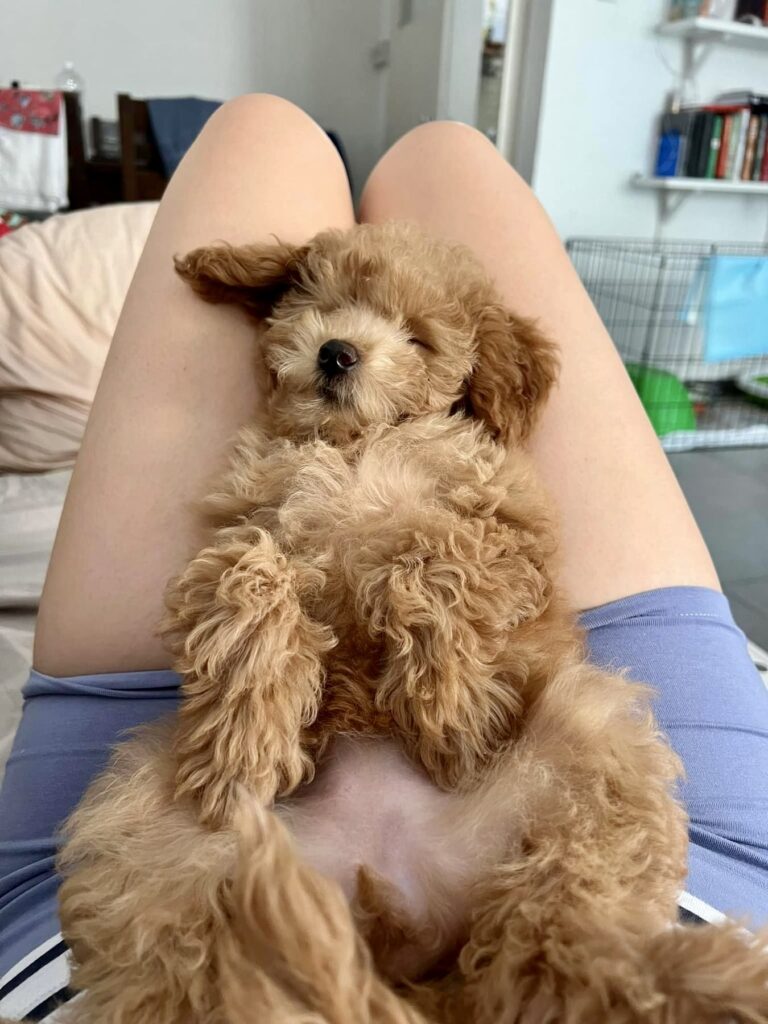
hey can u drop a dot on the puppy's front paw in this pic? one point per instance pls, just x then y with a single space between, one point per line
252 662
448 612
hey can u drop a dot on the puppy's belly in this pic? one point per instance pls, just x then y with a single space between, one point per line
369 807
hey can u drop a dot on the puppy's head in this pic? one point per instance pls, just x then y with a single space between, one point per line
379 324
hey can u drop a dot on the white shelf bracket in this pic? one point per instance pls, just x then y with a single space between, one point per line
695 53
670 203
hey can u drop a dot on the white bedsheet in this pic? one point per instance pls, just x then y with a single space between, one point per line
30 506
17 630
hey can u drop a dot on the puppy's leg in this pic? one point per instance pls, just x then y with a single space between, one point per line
579 927
172 924
447 607
141 899
293 954
252 662
711 974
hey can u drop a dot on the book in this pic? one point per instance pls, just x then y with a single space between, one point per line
672 145
685 124
750 146
683 9
733 145
694 145
764 167
723 9
717 9
714 145
725 141
742 98
704 144
724 108
668 154
740 147
750 11
760 147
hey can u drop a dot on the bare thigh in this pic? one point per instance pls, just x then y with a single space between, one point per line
625 523
178 383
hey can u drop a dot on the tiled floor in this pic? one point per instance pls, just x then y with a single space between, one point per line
728 492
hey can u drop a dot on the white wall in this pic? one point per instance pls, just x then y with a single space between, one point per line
413 76
315 52
461 60
521 101
604 84
434 71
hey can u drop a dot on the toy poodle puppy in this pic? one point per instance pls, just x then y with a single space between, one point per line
396 791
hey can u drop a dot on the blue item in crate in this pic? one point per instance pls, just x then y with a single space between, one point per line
735 306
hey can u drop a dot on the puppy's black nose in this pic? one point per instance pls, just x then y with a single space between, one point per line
336 357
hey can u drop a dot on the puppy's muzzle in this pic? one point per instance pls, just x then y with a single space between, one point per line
336 358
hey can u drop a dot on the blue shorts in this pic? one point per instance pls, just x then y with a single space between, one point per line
683 640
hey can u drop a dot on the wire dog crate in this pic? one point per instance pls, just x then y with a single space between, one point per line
690 321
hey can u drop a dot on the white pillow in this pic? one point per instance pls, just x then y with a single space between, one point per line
62 286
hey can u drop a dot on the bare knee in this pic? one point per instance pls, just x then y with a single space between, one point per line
270 119
260 110
438 135
454 147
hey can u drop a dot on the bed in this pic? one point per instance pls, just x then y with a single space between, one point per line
62 285
29 513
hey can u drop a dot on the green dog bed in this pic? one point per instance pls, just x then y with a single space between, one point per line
664 398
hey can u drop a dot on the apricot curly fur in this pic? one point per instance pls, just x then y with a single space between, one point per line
381 562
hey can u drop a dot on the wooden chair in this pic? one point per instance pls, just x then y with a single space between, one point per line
137 174
92 182
142 170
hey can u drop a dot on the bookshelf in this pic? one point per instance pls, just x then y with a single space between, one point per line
715 30
698 37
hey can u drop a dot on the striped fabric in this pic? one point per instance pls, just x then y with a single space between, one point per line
37 987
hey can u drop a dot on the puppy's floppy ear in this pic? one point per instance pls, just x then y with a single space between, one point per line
254 276
515 367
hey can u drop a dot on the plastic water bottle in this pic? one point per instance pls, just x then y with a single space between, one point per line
68 79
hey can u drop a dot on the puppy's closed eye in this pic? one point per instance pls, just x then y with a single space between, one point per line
420 332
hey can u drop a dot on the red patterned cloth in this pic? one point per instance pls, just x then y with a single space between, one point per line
30 110
33 150
10 222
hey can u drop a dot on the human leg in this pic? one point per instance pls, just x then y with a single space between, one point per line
178 383
629 542
625 524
